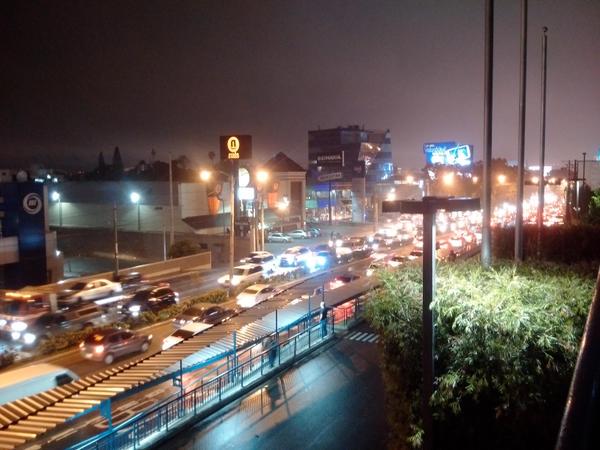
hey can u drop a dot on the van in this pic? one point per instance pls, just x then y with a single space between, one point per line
31 380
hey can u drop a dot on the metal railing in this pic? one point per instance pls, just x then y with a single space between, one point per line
217 386
579 428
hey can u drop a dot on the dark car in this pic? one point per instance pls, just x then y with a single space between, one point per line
72 319
341 280
107 345
130 281
212 316
151 299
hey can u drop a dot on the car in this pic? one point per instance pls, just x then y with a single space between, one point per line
415 254
187 331
313 231
71 319
130 280
278 237
243 274
323 259
268 262
258 253
295 256
321 248
108 344
298 234
341 280
396 260
152 298
88 290
255 294
212 316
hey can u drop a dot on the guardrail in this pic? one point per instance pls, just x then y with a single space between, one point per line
213 389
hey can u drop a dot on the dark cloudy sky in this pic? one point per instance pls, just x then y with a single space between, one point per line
78 77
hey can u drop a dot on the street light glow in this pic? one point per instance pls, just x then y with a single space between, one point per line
55 196
134 197
535 180
262 176
448 178
501 178
410 179
475 179
205 175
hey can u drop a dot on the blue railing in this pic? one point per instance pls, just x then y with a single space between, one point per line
215 387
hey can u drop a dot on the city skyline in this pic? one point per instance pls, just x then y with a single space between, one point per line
85 78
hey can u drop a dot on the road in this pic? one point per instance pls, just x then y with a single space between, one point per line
332 400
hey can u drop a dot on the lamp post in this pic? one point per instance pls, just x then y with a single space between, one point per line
135 198
428 208
56 198
206 175
261 178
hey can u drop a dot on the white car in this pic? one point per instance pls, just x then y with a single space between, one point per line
278 237
242 274
88 290
259 253
185 332
298 234
255 294
295 256
268 262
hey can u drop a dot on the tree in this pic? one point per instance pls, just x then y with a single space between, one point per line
117 164
101 165
594 207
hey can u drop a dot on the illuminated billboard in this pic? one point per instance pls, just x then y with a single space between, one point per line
448 153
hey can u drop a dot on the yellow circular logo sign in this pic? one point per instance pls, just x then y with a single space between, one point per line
233 144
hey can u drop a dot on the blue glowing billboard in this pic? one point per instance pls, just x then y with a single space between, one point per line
448 153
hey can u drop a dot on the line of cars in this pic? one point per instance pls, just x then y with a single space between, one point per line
280 237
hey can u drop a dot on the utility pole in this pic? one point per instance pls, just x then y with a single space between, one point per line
542 184
116 241
232 224
521 147
486 235
172 235
583 173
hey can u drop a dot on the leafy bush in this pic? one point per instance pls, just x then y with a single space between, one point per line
506 343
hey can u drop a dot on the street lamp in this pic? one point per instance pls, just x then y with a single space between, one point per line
428 208
55 196
135 198
262 176
501 178
206 175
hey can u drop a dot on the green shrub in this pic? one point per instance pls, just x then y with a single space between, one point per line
506 343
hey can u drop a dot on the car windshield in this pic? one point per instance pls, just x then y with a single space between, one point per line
238 271
257 260
78 286
13 307
251 290
183 334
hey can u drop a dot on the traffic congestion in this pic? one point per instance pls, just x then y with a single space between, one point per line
100 308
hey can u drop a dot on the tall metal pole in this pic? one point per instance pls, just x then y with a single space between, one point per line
116 240
521 147
429 253
262 222
232 225
583 172
542 184
139 217
329 207
172 235
486 234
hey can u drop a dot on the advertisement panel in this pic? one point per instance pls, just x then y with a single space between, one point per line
235 147
449 153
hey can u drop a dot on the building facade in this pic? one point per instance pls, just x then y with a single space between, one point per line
346 167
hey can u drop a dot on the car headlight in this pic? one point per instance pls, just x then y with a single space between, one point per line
235 281
135 308
15 335
18 326
369 272
2 322
29 338
99 349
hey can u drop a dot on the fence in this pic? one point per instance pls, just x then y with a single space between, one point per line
227 380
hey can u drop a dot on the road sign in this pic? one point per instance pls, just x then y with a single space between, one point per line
330 176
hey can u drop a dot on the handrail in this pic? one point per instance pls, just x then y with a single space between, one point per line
579 426
208 390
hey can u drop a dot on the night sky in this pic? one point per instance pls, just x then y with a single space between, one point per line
85 76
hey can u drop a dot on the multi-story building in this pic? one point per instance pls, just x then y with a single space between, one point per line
346 167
